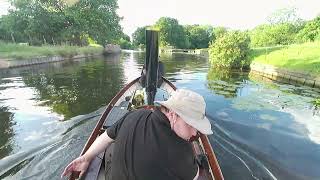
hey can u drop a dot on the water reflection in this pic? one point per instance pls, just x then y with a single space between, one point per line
262 129
6 131
227 83
68 92
264 122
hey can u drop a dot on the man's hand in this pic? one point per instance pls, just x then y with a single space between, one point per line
80 164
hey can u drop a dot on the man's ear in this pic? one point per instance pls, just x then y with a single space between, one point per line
172 114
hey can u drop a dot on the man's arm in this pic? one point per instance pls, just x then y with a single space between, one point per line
98 146
197 175
81 163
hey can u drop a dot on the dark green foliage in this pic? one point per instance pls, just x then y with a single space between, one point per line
139 36
177 36
230 51
54 22
199 36
125 44
172 33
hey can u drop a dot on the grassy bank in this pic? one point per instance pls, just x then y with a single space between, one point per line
301 57
16 51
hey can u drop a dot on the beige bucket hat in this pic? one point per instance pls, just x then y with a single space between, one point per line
190 106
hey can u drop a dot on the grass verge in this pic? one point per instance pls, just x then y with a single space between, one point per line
16 51
302 57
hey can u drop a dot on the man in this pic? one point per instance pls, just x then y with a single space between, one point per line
153 144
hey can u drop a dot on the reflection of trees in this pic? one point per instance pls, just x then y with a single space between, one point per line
140 57
78 90
225 82
316 102
175 62
6 131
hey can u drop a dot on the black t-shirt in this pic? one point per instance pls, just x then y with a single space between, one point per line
147 149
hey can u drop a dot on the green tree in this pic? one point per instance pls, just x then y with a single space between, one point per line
198 36
270 35
125 42
139 36
230 51
171 33
55 21
219 31
282 30
311 30
98 18
6 130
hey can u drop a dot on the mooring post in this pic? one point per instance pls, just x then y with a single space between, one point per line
151 64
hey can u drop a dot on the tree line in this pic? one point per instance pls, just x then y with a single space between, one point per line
174 35
279 31
231 48
80 22
86 22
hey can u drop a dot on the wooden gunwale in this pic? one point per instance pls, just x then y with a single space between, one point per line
217 173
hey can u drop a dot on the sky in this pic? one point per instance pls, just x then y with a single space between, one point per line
4 5
234 14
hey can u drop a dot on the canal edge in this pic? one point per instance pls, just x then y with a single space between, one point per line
280 74
12 63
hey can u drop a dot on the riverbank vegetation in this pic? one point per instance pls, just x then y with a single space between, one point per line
51 23
316 102
21 51
59 22
301 57
228 49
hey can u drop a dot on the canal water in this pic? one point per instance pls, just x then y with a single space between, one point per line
262 129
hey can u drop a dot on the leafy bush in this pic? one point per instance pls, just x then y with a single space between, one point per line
124 44
230 51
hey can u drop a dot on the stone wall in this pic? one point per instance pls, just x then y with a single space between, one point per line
290 76
10 63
